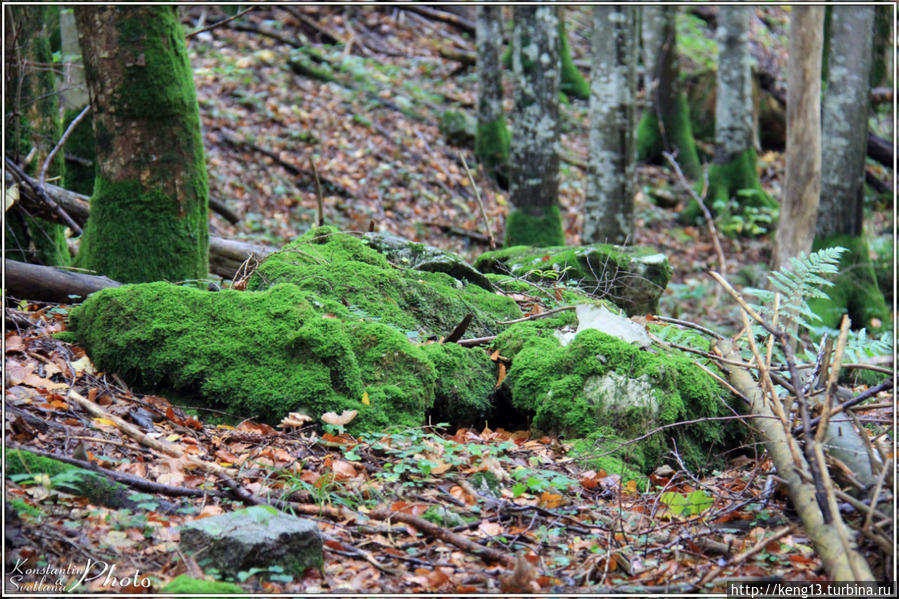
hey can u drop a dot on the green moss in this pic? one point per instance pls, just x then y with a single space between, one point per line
572 83
467 377
457 128
185 585
136 234
855 290
737 180
678 134
576 389
491 147
541 231
67 478
344 269
265 353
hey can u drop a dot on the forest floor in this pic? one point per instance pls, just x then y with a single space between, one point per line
373 137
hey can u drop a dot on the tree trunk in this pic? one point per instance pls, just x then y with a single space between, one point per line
77 175
492 137
534 166
733 178
796 226
609 205
665 124
149 205
31 123
845 134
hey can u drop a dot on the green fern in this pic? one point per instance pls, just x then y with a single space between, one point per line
802 280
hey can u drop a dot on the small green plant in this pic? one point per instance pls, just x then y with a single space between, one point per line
692 504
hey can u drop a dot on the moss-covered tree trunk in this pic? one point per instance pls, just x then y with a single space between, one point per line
609 204
32 124
845 132
665 124
149 206
572 83
492 136
733 178
536 218
796 225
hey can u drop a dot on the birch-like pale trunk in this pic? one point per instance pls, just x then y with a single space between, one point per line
534 162
733 99
796 226
845 121
609 205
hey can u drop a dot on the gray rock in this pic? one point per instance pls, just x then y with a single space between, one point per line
259 536
410 254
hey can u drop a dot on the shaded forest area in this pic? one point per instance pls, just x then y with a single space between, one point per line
364 118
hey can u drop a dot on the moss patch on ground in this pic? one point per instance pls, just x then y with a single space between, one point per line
185 585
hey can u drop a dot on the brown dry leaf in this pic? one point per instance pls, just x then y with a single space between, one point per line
344 418
501 376
14 343
343 470
490 529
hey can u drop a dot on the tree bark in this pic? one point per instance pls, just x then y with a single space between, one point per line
733 178
796 227
492 137
534 166
845 121
665 124
609 204
149 208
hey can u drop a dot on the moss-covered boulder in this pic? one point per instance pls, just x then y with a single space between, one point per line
329 325
458 128
599 386
633 278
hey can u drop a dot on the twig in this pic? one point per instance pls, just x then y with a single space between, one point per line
41 193
422 525
219 23
62 140
477 194
319 197
871 392
688 325
739 559
536 316
705 211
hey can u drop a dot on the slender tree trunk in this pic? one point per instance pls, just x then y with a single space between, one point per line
665 124
76 175
534 166
149 206
796 226
844 144
733 178
32 127
609 205
492 137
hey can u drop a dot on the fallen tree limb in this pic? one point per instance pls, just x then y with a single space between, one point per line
792 467
50 284
453 19
429 528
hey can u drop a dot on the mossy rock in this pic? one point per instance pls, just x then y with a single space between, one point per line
185 585
328 321
633 278
600 381
458 128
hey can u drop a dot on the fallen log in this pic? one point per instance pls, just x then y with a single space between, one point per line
50 284
225 256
